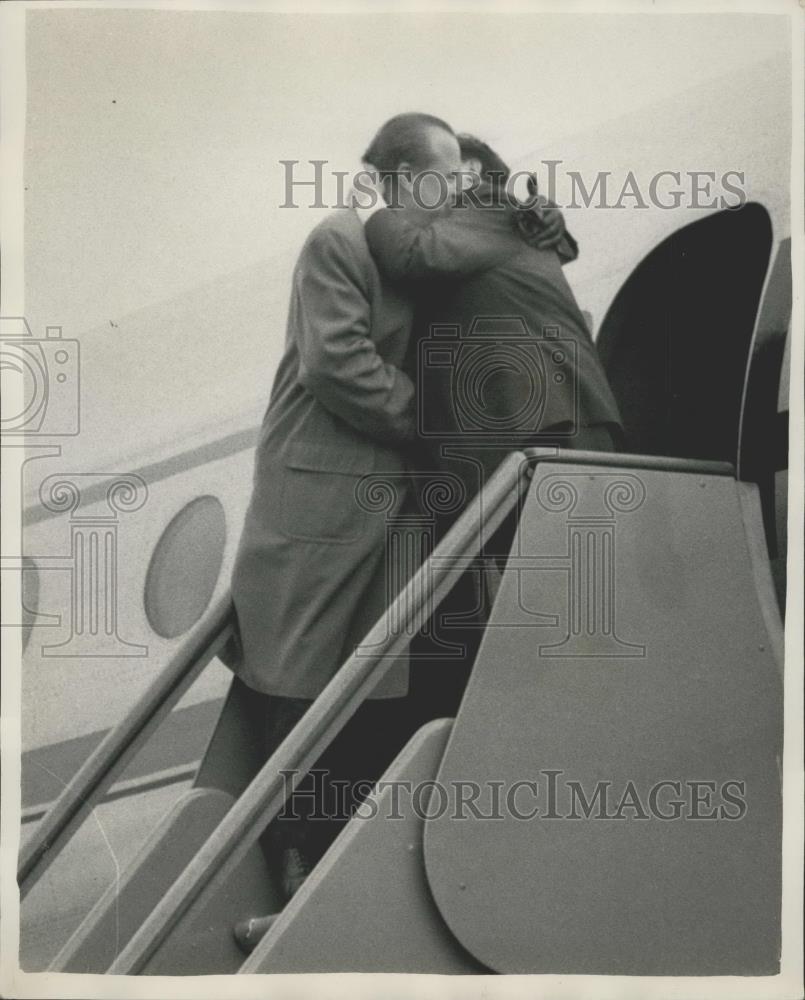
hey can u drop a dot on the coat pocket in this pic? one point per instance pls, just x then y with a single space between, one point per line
319 502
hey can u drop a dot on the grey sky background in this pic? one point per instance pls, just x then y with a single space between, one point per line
153 137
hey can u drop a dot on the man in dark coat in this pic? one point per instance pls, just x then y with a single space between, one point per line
502 358
501 353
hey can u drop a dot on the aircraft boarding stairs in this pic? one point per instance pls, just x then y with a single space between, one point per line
632 660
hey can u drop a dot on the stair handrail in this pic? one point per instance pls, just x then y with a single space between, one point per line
111 756
262 800
109 759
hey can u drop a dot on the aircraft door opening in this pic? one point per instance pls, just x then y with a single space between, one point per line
675 342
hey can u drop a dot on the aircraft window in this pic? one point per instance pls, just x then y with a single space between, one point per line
184 567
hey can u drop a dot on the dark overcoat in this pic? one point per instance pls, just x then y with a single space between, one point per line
501 353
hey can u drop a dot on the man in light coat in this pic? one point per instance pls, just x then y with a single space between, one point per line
309 578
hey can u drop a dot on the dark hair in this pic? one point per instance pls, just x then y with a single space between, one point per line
403 138
493 169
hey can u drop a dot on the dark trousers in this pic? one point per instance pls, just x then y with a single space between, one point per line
340 779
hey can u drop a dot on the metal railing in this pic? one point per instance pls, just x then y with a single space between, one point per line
109 759
263 798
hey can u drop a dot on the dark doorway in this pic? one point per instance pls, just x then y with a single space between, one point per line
675 342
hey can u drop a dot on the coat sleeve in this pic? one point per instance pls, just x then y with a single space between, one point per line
405 249
339 363
528 221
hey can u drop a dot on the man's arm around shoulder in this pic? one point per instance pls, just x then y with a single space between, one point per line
417 245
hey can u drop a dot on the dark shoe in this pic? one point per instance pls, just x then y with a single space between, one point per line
295 869
249 932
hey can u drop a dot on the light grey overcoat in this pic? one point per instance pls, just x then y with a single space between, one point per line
310 573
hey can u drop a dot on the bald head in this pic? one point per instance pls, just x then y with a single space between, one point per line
417 156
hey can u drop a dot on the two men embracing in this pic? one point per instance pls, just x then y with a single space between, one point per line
351 399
